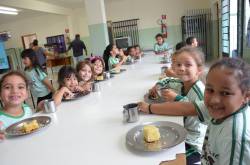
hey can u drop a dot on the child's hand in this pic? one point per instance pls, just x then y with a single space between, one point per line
78 89
168 94
1 131
86 86
153 91
67 93
143 107
40 106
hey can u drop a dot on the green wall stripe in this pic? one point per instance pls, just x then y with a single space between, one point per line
98 36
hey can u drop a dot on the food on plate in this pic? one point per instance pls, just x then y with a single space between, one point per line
151 133
153 146
30 126
115 70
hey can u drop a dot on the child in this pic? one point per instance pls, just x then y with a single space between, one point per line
85 71
113 62
138 51
131 52
161 46
225 109
40 84
188 87
13 93
98 67
192 41
169 72
85 74
68 84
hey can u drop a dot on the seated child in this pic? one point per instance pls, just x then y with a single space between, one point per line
113 62
98 66
41 86
161 46
68 84
131 53
85 74
187 87
192 41
138 51
225 110
13 93
169 72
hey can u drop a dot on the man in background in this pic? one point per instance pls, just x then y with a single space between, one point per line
77 45
41 53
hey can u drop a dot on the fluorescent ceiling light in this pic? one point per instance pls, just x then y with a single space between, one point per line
8 10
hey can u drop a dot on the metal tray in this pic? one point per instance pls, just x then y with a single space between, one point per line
153 101
77 96
172 134
16 128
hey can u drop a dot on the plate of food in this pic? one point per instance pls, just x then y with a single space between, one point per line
103 78
155 136
28 126
151 99
76 96
117 71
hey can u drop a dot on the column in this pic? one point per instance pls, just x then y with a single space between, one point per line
97 25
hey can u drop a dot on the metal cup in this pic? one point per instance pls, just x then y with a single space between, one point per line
132 60
106 75
96 87
130 113
49 106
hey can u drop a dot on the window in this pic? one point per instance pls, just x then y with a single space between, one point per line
229 27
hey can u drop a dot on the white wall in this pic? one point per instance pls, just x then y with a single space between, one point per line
79 22
149 11
46 25
43 26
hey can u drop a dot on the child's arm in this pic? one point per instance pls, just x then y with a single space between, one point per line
1 133
47 83
58 96
169 108
79 88
86 86
124 58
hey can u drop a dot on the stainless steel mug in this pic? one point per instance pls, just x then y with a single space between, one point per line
96 87
49 106
106 75
130 113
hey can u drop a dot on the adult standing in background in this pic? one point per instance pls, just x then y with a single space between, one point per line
41 54
77 45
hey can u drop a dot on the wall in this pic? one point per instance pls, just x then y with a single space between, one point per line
46 25
43 26
246 50
149 11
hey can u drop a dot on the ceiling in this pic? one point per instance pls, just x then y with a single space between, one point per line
21 15
66 3
26 13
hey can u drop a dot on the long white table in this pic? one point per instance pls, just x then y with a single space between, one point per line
90 130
